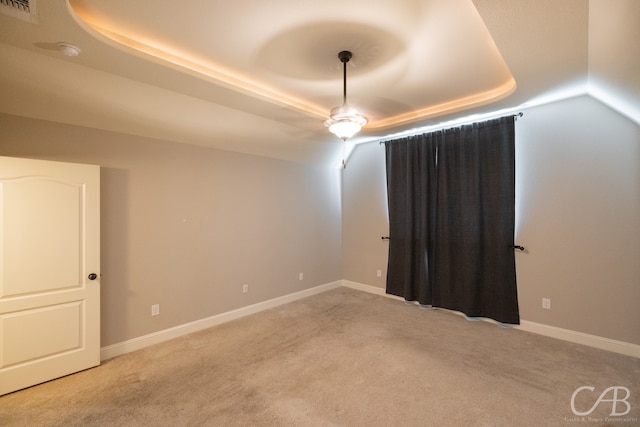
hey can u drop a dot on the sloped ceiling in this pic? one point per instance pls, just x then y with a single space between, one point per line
260 77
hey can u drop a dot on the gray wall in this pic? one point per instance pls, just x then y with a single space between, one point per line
185 227
578 214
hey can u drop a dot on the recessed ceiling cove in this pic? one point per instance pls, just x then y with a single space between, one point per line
412 59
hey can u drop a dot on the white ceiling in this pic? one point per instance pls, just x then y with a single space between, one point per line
260 77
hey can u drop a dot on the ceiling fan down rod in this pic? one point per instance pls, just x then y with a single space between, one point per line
344 57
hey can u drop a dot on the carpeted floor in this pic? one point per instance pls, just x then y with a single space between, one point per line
341 358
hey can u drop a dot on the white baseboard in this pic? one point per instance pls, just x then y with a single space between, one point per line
139 343
368 288
134 344
621 347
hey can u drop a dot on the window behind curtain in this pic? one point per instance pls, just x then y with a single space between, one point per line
451 197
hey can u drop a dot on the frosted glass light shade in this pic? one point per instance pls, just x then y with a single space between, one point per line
345 121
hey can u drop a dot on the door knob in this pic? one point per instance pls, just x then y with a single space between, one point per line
93 276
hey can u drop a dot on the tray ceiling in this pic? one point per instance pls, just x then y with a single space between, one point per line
261 77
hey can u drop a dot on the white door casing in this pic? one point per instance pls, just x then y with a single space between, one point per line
49 270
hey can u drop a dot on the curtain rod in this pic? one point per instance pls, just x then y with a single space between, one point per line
452 124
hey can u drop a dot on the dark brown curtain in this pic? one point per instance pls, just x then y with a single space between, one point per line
451 197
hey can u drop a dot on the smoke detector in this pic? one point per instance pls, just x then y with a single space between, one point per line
68 49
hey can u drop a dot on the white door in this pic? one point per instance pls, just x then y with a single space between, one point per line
49 270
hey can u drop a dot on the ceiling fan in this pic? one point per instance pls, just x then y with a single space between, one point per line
345 121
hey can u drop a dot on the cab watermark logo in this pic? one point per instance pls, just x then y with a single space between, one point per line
617 396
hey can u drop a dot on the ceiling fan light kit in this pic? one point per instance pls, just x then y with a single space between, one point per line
344 120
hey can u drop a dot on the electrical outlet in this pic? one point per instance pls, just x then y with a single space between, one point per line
245 288
300 276
155 309
546 303
379 273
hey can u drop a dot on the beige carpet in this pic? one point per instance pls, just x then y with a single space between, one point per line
341 358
